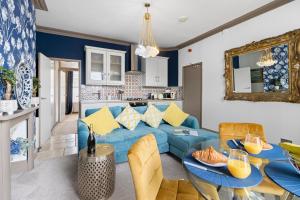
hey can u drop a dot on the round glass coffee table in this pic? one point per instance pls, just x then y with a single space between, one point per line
267 189
96 173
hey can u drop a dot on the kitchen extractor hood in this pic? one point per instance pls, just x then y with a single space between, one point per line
134 61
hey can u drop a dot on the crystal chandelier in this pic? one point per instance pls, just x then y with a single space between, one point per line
266 60
147 46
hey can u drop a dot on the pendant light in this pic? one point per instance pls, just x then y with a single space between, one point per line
147 46
266 60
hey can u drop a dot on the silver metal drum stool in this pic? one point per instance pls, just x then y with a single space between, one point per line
96 174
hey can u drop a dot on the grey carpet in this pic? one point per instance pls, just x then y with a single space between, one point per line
56 179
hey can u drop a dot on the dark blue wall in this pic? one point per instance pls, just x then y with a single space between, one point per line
58 46
172 66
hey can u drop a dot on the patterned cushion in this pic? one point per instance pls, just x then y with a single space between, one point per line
129 118
153 116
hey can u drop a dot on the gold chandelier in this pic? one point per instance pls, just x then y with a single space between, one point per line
147 46
266 60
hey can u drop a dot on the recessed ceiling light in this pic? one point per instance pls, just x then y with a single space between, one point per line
182 19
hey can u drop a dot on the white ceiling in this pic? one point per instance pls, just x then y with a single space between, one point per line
122 19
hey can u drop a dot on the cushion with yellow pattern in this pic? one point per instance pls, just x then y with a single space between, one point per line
174 115
129 118
153 116
103 121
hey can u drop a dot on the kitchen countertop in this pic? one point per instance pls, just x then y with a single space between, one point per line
123 101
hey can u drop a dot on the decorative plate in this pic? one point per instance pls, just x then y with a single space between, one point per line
23 85
212 165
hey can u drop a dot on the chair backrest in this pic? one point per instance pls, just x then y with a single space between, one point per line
146 168
239 130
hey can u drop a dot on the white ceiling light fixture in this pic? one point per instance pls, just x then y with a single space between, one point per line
147 46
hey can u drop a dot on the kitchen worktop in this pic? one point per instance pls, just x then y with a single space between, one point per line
122 101
89 104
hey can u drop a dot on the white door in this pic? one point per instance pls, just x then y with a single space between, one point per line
45 97
154 71
62 96
115 68
162 72
242 80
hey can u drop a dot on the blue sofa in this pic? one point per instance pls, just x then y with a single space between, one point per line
122 138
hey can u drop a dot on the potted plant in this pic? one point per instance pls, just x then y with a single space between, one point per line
277 84
8 78
35 87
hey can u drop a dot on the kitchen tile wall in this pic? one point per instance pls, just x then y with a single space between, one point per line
133 88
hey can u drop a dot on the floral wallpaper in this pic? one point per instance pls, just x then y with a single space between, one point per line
17 35
277 75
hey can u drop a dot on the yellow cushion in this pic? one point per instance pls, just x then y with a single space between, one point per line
129 118
174 115
153 116
103 121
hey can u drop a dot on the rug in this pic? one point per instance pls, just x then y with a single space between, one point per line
56 179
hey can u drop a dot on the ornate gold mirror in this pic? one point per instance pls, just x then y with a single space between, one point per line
267 70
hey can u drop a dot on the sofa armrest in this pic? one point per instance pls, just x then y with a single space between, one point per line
83 134
191 122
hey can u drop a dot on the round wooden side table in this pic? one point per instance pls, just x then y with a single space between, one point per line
96 173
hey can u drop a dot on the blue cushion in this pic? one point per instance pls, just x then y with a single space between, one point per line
184 143
162 108
115 110
141 109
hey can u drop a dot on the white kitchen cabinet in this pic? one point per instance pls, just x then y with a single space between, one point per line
104 66
155 71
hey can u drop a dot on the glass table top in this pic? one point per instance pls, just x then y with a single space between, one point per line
267 189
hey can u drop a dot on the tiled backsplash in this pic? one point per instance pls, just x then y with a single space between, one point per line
133 88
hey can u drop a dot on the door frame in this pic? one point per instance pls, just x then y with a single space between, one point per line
200 64
79 74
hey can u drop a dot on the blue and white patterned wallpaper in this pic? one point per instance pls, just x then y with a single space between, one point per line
279 71
17 34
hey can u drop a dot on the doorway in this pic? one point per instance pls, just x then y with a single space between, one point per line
192 90
66 95
60 83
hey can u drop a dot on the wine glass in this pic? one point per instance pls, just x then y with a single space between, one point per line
238 164
253 144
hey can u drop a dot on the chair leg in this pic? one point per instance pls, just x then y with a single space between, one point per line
287 196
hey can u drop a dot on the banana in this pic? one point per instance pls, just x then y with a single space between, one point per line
291 148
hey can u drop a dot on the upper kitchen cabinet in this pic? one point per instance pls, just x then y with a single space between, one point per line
104 66
155 71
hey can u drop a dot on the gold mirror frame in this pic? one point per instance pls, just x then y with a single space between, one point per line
293 95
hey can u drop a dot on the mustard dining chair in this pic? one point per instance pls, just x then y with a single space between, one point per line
147 174
239 130
230 131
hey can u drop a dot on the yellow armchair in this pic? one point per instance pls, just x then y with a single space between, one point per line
147 174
